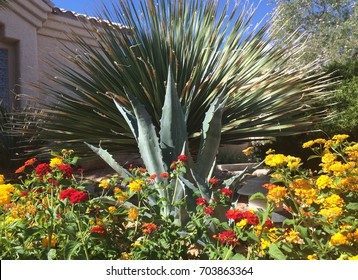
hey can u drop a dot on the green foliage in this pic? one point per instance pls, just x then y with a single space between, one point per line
212 51
329 26
344 116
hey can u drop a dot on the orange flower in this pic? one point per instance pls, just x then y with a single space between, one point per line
30 161
148 228
20 169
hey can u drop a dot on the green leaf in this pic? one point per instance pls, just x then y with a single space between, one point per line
276 253
352 206
108 158
173 132
210 139
51 255
258 195
70 249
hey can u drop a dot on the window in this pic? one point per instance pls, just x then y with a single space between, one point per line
4 78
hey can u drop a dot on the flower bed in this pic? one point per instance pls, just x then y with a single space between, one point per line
52 214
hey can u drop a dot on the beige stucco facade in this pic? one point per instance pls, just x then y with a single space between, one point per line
30 32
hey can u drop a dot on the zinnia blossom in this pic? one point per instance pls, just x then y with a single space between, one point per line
47 243
66 169
42 169
2 179
74 195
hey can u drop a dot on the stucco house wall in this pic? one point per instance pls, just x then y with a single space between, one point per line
30 32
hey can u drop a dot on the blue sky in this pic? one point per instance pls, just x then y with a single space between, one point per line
89 7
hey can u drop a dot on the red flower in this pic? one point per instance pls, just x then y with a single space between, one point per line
227 237
148 228
269 224
98 229
182 158
209 210
78 197
153 176
173 165
201 201
252 219
66 169
42 169
73 195
234 214
164 175
24 193
213 181
226 192
66 193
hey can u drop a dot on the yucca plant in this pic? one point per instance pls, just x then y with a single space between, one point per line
212 50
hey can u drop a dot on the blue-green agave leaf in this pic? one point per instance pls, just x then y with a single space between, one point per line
148 142
108 158
173 132
130 119
210 138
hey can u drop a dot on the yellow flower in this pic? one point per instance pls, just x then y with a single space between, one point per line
56 161
293 237
275 160
112 209
133 213
2 179
352 152
308 144
136 185
328 157
126 256
104 184
242 223
353 258
333 200
312 257
136 244
277 194
338 239
248 151
6 191
264 244
120 195
340 137
323 182
293 162
46 242
330 213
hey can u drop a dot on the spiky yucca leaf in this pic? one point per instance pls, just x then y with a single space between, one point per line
209 45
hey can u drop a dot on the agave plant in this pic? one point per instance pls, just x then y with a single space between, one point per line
159 152
212 50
